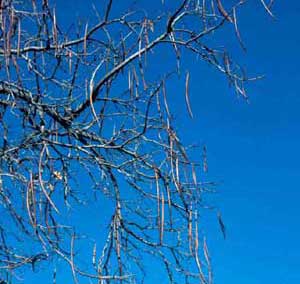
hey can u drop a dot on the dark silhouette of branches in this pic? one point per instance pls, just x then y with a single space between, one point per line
83 122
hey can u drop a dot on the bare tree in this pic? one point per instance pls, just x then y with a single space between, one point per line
85 123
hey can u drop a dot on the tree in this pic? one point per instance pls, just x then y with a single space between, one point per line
86 124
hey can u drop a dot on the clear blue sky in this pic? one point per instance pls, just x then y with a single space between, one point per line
253 149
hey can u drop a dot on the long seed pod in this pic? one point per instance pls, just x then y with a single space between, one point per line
177 169
187 99
70 61
208 262
94 255
72 259
223 11
194 175
158 201
169 204
267 7
165 98
85 39
19 38
30 202
190 228
42 182
213 9
237 31
162 218
205 164
204 13
197 259
118 242
136 77
54 31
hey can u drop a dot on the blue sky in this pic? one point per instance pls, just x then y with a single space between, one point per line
253 149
